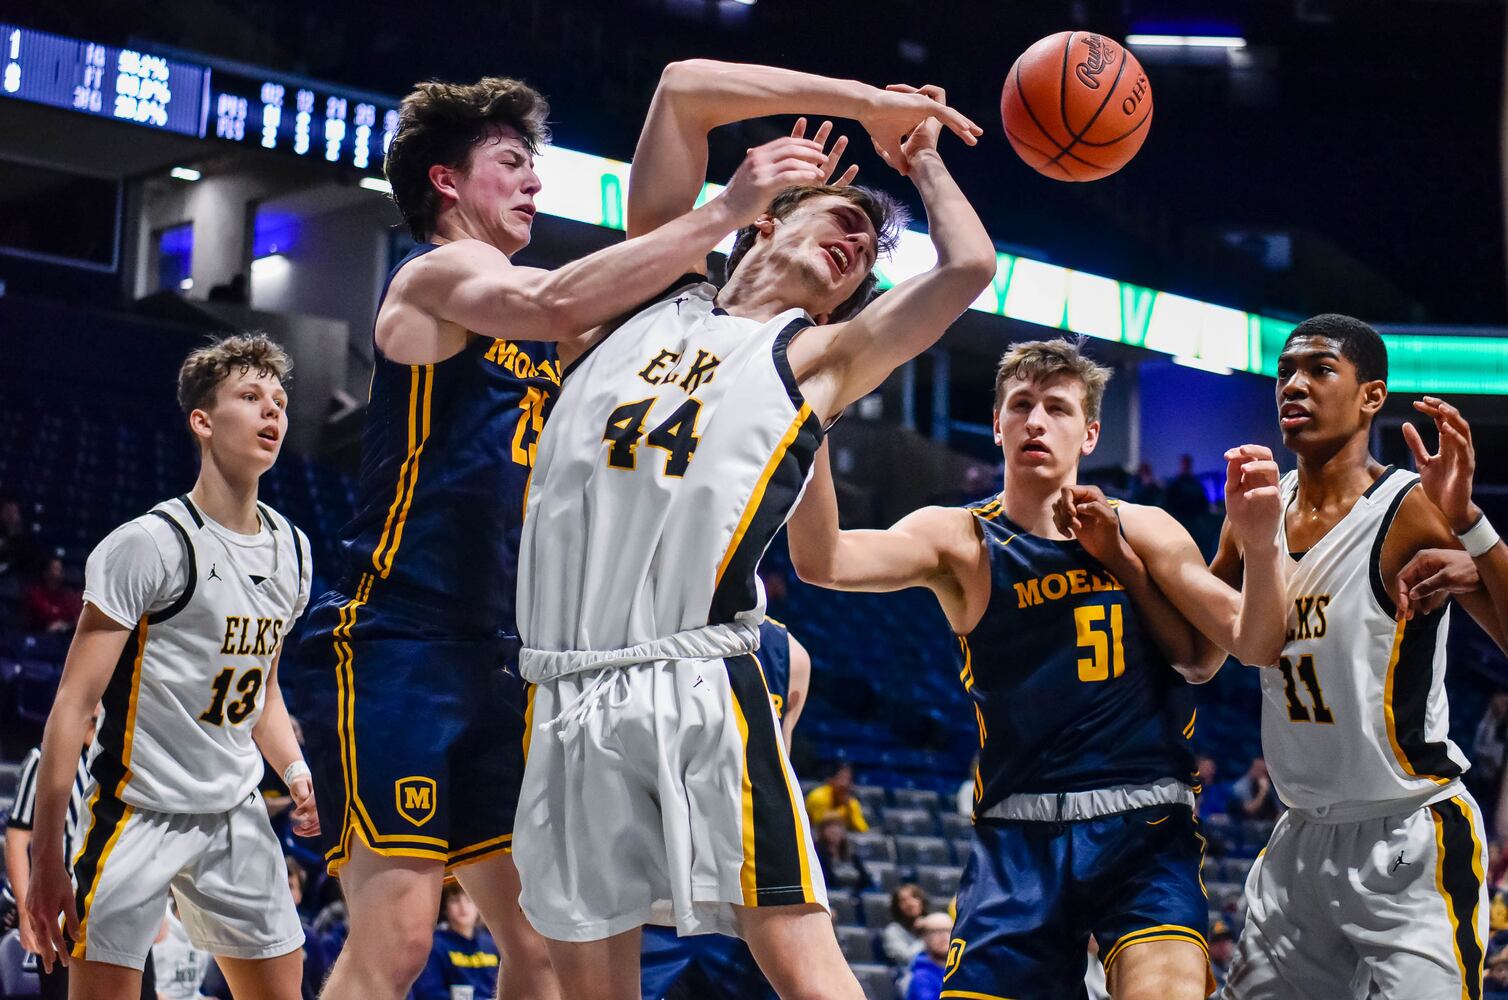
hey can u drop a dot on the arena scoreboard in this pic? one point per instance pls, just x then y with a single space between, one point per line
103 80
202 100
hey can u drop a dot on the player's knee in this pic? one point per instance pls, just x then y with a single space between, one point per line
399 957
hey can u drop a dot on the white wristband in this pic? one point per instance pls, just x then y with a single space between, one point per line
1479 538
298 769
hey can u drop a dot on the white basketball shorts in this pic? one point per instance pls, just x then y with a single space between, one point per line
226 869
1393 908
658 792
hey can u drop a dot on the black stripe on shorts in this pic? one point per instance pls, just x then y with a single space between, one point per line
1460 881
778 851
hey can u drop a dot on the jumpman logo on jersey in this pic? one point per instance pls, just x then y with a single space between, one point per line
1398 863
212 574
678 301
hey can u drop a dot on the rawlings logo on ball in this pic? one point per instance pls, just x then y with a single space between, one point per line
1101 56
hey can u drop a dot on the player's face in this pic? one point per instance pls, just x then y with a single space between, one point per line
1321 400
827 248
495 192
249 420
1042 428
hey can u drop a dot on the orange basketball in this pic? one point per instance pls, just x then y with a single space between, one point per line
1076 106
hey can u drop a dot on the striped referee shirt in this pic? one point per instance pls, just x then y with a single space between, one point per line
23 813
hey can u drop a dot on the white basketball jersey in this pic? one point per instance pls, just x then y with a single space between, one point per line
1354 717
678 447
187 690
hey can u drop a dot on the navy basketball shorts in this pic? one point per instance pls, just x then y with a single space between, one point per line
700 966
414 733
1032 894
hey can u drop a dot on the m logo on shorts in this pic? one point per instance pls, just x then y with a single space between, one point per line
416 798
955 955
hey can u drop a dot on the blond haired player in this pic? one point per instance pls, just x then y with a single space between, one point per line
185 611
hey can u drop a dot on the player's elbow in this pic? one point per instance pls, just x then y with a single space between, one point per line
1260 653
816 568
684 76
1201 671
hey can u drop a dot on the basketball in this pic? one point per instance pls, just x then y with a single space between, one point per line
1076 106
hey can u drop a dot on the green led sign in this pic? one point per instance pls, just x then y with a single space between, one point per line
593 189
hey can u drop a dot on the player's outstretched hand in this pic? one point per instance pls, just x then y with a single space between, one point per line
1252 502
1086 514
1431 577
768 170
834 152
897 111
50 894
305 812
1446 475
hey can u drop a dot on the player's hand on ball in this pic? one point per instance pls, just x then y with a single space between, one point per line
1431 577
897 111
1253 504
834 153
305 812
768 170
50 894
1446 475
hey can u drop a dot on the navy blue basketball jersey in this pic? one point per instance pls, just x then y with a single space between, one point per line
1070 692
446 454
775 658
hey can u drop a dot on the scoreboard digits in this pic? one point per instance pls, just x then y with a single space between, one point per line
104 81
228 102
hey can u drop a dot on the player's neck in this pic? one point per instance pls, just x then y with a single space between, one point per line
226 501
747 297
1028 502
1337 477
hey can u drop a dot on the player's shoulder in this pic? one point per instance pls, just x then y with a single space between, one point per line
941 522
1418 522
160 530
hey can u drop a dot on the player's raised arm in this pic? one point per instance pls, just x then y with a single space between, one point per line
96 648
841 363
697 95
1250 622
1482 585
474 286
922 549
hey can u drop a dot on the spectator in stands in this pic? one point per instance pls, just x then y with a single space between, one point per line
901 938
1495 984
20 554
52 605
1253 797
841 864
1222 950
316 962
463 954
927 967
1186 499
1488 748
1214 795
180 966
835 799
1145 489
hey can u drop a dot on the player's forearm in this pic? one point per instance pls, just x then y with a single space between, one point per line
605 285
1492 568
1179 641
62 742
962 242
18 862
273 732
705 93
1262 621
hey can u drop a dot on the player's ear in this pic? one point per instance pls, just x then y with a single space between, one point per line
766 224
1091 438
200 425
995 426
1373 395
443 179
